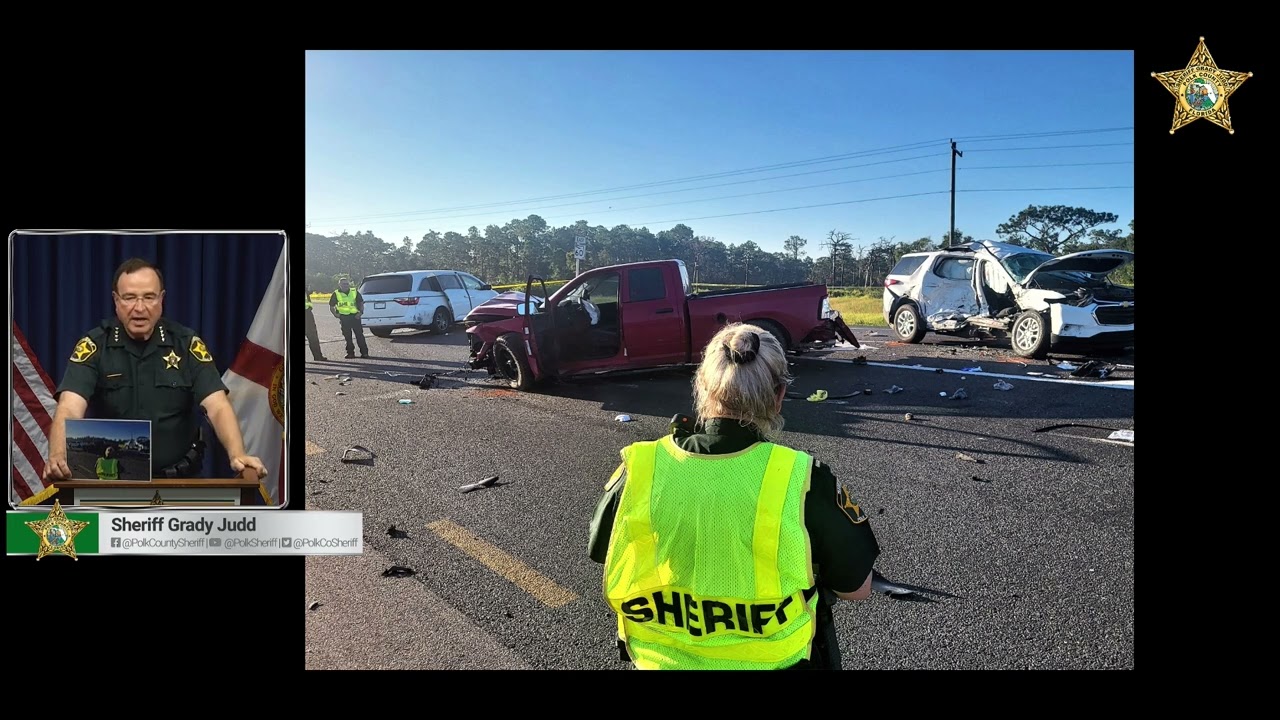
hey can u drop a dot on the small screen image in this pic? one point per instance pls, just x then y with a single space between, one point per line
109 449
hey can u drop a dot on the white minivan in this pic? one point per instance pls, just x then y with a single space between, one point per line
420 299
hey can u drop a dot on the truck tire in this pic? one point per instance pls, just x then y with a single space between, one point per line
908 325
511 362
772 328
1029 335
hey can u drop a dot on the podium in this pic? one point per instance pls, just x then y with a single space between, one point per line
188 492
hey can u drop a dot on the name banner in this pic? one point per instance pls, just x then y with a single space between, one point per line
187 532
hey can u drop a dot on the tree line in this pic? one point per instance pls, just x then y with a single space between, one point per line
509 253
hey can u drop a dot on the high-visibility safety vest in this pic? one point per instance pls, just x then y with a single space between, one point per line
108 469
346 302
709 563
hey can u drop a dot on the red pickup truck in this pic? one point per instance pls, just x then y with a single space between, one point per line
635 316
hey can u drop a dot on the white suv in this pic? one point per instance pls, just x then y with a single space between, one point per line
1039 301
420 299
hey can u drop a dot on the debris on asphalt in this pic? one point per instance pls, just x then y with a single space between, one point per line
1002 385
908 417
1126 435
969 458
866 391
393 532
398 571
902 591
406 401
624 418
485 483
978 479
959 395
893 390
350 455
860 360
973 369
1093 368
339 393
313 605
1034 373
427 381
1064 365
880 512
818 396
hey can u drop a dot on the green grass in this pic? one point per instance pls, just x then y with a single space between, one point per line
860 309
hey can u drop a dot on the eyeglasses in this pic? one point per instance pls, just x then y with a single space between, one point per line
131 299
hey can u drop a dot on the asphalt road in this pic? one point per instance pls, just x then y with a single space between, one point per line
1035 539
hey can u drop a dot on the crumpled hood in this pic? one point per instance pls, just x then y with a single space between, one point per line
1096 262
503 305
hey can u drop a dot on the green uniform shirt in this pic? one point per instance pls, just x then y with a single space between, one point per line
844 547
162 380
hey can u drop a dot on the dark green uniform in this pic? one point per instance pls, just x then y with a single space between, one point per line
162 380
844 547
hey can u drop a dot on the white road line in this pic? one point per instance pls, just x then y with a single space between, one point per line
1111 384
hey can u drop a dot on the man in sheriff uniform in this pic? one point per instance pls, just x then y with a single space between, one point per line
140 365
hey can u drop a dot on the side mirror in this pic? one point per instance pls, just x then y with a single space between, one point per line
520 309
486 286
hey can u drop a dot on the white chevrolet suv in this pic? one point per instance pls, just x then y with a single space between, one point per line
1039 301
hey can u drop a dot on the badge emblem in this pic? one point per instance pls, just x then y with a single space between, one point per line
57 533
171 360
84 350
199 350
1201 90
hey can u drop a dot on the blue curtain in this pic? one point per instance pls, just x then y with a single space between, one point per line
213 285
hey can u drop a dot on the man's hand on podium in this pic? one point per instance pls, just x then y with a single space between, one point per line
240 463
56 467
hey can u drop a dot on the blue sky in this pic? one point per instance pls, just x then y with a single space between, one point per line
399 143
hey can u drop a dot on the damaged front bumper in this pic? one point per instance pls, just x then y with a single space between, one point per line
829 334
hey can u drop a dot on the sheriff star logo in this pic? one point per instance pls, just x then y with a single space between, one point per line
200 351
171 360
1201 89
84 350
57 533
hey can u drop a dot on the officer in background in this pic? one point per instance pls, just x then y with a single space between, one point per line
694 579
140 365
347 304
313 337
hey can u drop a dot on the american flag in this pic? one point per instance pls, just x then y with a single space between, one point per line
33 408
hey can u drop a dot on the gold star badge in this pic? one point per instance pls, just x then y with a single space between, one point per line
57 533
171 360
1201 90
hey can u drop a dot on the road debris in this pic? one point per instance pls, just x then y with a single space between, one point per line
485 483
969 458
399 534
1002 385
901 591
351 454
314 604
624 418
398 571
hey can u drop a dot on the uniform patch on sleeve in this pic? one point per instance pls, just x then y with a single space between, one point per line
199 350
84 350
851 509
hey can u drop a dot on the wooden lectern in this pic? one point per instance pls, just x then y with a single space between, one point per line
190 492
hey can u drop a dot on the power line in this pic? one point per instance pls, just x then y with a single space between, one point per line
1047 147
730 173
887 197
668 192
1002 167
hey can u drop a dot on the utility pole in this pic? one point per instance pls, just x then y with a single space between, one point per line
951 237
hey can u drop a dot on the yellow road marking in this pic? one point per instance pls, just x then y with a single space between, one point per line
499 561
313 449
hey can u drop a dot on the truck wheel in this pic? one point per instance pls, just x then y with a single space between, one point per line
1030 335
511 362
772 328
380 332
908 325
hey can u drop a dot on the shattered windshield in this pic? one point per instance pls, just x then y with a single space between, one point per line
1021 264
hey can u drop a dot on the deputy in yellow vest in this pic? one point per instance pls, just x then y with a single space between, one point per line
347 304
313 337
108 467
721 549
